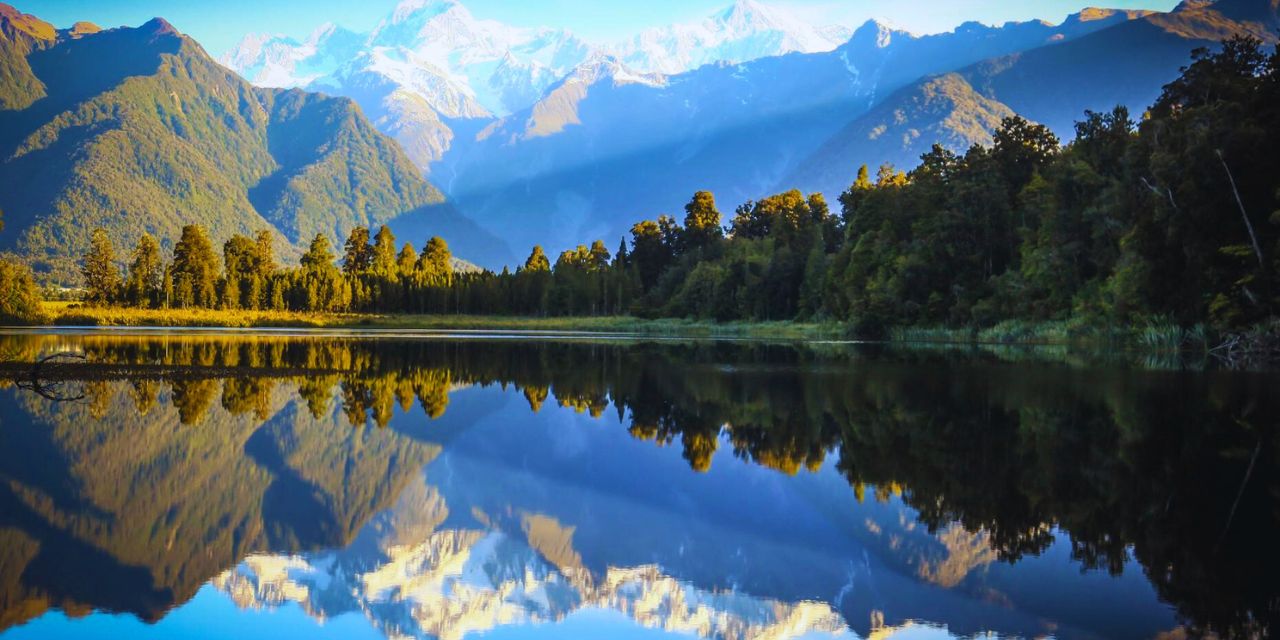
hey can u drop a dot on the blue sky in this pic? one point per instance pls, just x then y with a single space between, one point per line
219 24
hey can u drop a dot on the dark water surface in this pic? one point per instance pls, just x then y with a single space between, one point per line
231 485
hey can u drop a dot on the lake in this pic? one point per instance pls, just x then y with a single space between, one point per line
211 484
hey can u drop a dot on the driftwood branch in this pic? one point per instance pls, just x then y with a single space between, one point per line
1253 461
1156 190
1257 250
51 390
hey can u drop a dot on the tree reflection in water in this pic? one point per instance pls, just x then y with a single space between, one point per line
1176 469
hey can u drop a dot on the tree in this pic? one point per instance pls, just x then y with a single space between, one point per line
195 269
266 262
244 277
533 283
146 272
319 257
651 252
358 253
436 263
1021 148
323 287
537 260
101 275
384 253
19 296
702 221
407 261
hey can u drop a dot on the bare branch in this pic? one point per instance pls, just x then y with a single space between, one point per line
1257 250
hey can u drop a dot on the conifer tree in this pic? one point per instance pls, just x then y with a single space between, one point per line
406 262
358 253
195 269
702 221
146 272
101 276
384 253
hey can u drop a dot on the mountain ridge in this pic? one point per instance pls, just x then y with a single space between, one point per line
137 130
739 130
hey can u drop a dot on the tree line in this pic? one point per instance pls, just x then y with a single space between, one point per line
1170 216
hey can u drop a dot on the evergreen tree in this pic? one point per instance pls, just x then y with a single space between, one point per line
406 262
358 253
702 221
195 269
537 260
323 286
384 253
436 263
266 261
143 288
101 275
242 258
19 296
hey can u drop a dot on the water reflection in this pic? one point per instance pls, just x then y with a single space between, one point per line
445 487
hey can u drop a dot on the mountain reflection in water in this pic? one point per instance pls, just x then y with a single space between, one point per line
445 487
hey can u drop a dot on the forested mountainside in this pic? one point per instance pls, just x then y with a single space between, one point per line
608 145
138 130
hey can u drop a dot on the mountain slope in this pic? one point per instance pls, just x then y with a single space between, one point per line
430 63
634 149
138 130
747 30
942 110
1125 64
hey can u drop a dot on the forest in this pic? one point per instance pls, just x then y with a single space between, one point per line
1173 214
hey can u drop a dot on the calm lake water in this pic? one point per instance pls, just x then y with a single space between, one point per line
210 484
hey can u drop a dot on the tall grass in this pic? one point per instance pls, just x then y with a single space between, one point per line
65 314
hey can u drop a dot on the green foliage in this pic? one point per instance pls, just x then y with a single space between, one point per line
100 273
141 132
143 287
1025 240
194 270
19 296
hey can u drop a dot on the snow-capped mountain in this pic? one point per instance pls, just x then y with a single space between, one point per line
279 61
745 31
414 578
502 67
462 66
431 62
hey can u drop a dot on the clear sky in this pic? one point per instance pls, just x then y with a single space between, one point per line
219 24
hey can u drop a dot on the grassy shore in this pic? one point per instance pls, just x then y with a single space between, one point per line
1154 336
70 314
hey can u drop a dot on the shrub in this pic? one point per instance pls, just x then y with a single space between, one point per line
19 296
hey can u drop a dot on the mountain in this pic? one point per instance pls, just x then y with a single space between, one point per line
631 150
1126 64
150 489
431 63
942 110
745 31
427 64
453 583
137 130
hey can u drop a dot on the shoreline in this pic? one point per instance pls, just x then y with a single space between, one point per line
1151 337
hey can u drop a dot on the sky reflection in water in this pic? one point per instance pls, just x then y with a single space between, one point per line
215 486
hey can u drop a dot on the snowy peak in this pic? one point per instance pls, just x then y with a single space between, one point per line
408 9
746 30
876 34
748 17
459 583
603 66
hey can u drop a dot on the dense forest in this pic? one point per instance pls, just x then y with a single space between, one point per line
1171 215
